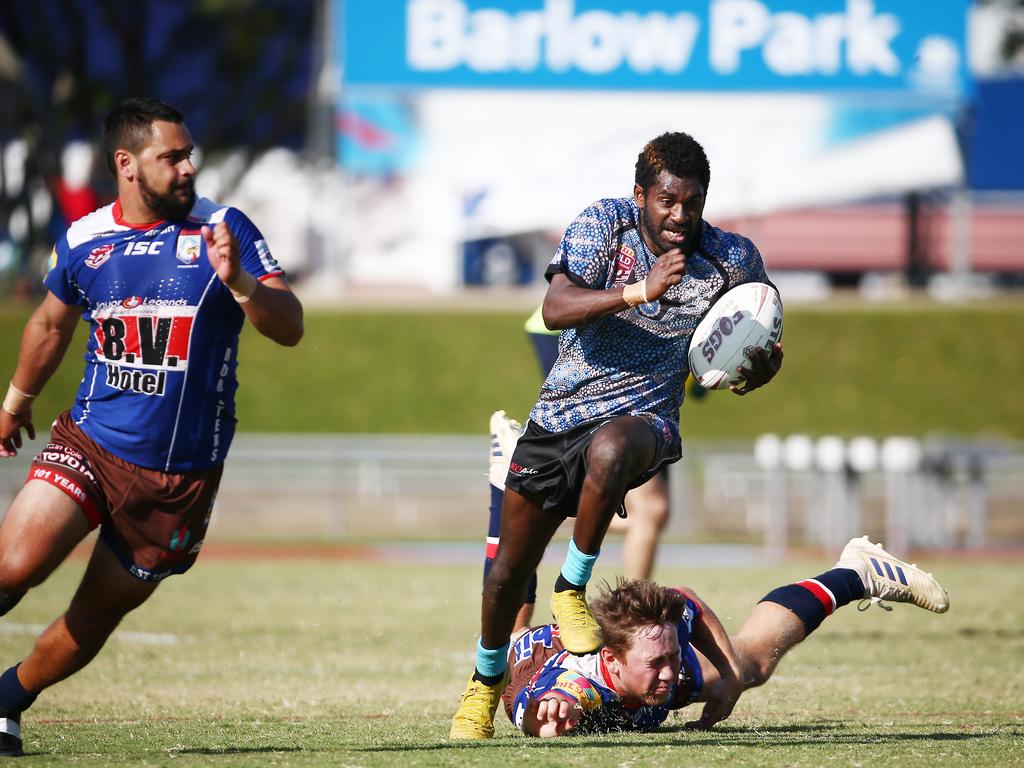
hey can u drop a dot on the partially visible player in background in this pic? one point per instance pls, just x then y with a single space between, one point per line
665 649
165 281
628 284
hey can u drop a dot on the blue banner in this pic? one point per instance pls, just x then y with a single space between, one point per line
900 46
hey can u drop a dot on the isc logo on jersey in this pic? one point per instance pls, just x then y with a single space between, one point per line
140 344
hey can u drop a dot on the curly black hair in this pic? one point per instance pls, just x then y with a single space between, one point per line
678 153
129 125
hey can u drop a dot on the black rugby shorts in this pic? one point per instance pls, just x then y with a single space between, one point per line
549 467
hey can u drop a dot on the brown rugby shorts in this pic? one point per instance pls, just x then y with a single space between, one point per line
153 521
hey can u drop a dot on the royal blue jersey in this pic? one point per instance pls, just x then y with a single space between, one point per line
540 667
634 361
159 384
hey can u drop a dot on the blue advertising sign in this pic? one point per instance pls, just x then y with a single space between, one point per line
901 46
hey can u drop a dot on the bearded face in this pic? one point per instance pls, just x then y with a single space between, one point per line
172 202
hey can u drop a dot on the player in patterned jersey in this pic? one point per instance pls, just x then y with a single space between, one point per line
628 284
664 648
165 281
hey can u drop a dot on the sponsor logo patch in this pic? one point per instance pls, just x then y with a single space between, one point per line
140 344
97 256
624 264
189 245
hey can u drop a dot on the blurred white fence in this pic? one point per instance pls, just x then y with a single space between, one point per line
774 492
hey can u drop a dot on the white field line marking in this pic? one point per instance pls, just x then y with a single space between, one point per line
138 638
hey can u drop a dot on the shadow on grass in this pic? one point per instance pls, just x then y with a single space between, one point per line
760 737
240 750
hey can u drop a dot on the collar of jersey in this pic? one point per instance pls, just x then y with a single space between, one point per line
119 218
607 675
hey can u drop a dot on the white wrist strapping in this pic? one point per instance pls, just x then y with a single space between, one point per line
635 293
243 287
17 401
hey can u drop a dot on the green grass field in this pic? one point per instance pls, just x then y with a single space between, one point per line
849 370
346 663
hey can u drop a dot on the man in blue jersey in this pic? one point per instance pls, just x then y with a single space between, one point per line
165 281
628 284
664 648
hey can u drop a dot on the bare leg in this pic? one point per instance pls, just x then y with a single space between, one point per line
106 594
648 509
525 532
769 632
524 619
621 451
41 527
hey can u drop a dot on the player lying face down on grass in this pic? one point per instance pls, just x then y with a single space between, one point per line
665 649
165 281
629 283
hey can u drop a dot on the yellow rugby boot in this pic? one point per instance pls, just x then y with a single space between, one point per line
889 578
577 626
474 718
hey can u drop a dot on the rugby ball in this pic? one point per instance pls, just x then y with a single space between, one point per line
749 315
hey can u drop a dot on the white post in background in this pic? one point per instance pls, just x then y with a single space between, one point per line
798 458
768 455
830 458
900 459
861 458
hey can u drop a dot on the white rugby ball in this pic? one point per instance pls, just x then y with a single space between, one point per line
749 315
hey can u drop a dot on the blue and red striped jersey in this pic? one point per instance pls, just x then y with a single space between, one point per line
160 360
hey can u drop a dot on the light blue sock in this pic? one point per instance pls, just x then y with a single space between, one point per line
578 566
491 662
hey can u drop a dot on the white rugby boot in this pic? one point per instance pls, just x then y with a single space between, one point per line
888 578
505 434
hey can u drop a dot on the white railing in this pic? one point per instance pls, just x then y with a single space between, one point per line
774 492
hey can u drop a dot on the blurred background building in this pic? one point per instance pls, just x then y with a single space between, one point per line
435 148
430 145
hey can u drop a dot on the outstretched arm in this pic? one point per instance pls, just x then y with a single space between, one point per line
43 343
269 305
710 638
551 716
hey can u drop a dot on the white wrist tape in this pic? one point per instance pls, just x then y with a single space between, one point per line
17 401
243 287
635 293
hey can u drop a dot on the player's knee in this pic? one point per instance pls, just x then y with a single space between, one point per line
608 464
18 574
658 514
757 670
503 577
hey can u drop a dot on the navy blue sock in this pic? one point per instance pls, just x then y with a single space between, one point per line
814 599
13 697
493 532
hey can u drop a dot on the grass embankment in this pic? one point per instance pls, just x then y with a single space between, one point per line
862 370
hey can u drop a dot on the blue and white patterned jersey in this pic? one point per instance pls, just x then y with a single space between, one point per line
635 361
540 667
160 359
